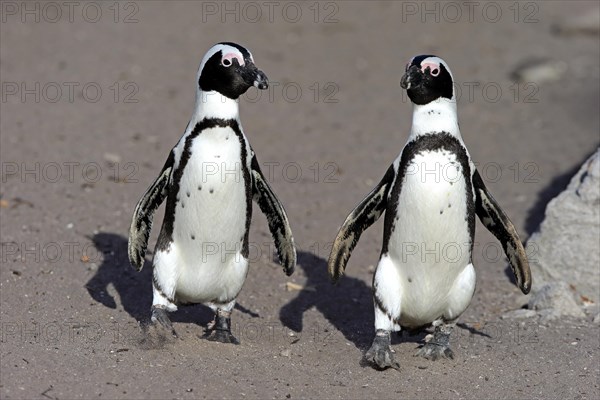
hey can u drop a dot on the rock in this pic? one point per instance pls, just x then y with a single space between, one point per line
555 300
538 71
547 316
591 310
597 319
565 248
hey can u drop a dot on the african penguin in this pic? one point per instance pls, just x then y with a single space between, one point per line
209 181
430 195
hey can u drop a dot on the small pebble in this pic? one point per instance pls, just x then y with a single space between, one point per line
112 158
285 353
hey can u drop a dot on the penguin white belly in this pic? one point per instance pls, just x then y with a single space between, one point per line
430 245
210 219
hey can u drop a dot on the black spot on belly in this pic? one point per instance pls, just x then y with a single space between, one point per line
227 138
441 212
449 205
199 187
182 204
193 237
211 190
409 280
188 194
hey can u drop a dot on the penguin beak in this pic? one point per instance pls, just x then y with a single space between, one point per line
412 78
255 77
260 80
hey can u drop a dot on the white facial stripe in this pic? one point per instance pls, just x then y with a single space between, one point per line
230 56
225 49
433 62
434 69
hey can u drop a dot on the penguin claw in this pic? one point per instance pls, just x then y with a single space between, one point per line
435 351
381 354
159 314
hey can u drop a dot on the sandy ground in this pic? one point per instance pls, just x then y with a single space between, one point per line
94 97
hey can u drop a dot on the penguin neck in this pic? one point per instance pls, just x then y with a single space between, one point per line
438 116
213 104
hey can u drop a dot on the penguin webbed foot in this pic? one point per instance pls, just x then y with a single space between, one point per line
435 351
159 314
438 346
221 337
380 354
219 330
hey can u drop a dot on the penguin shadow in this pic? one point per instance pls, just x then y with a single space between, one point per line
537 212
473 330
116 271
134 288
347 306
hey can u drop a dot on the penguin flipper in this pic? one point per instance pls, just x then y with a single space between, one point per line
363 216
141 222
277 219
498 223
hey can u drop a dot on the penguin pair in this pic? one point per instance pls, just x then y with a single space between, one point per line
212 175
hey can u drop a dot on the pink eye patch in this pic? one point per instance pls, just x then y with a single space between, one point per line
434 68
227 59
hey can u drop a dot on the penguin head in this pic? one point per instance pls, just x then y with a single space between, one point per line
229 69
426 79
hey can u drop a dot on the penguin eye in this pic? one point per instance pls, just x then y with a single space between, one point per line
435 72
226 62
